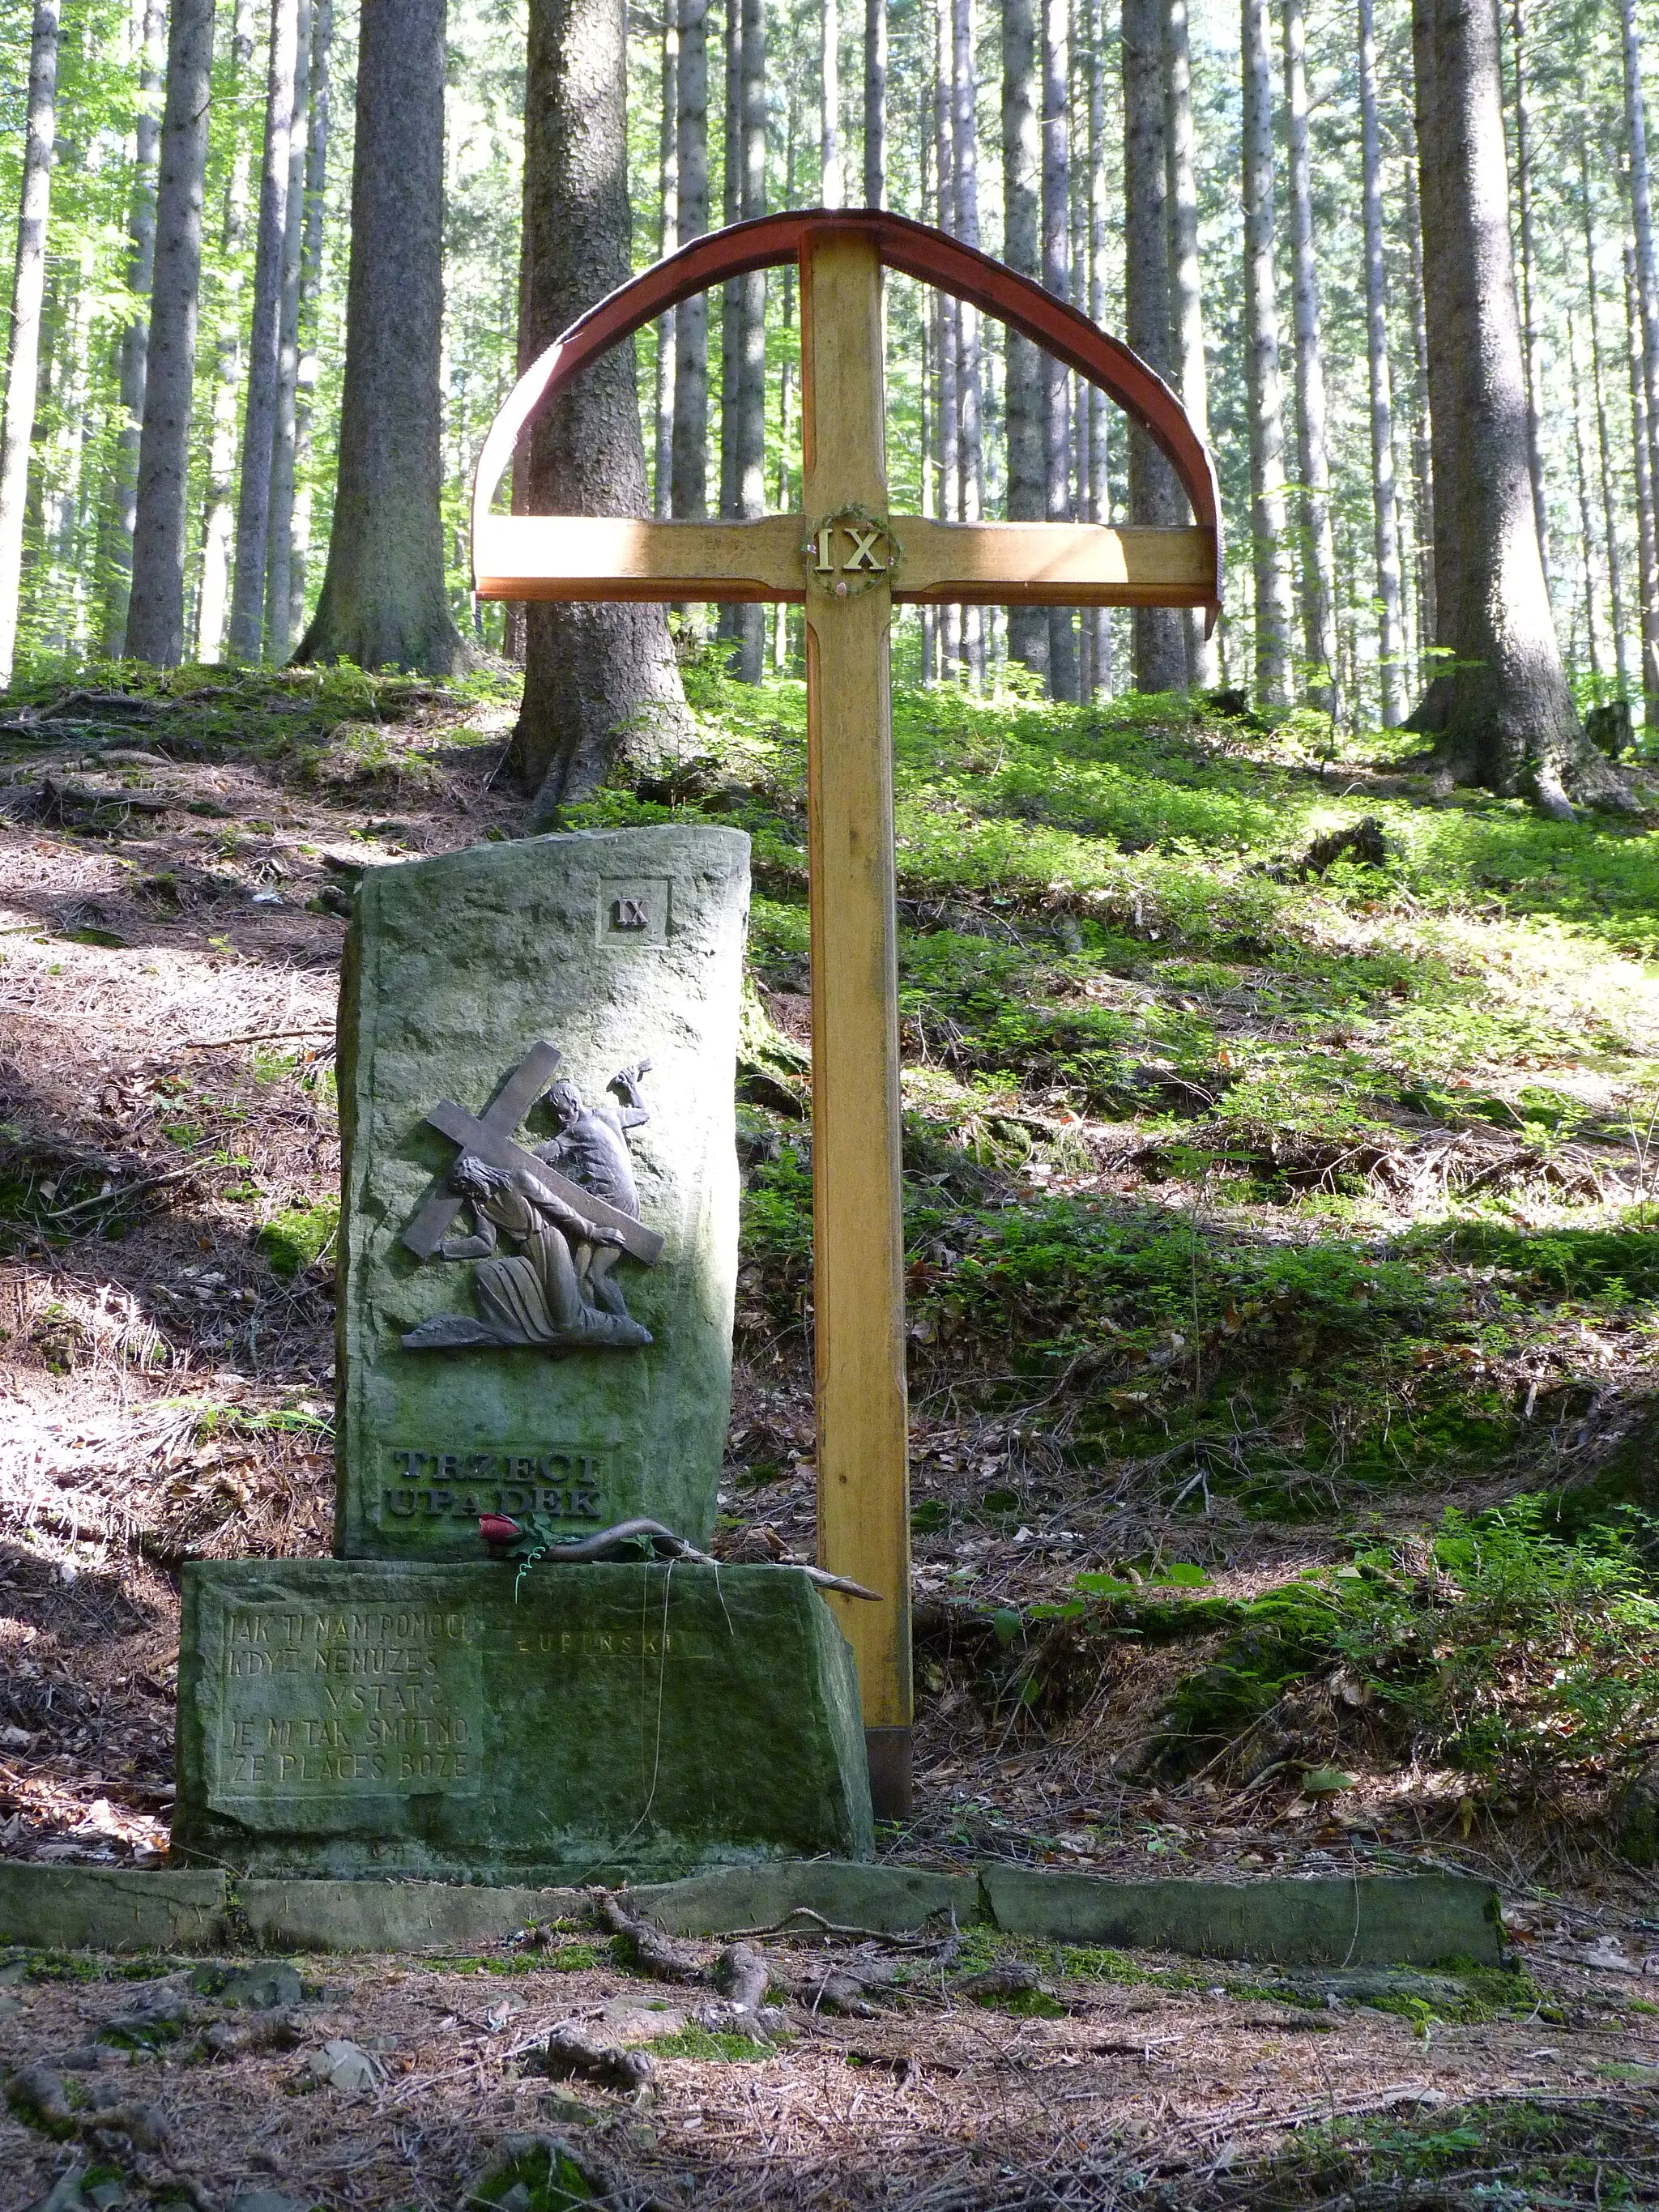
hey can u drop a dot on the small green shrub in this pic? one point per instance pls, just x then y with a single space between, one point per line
292 1239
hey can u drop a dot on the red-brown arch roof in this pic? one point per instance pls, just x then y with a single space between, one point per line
913 249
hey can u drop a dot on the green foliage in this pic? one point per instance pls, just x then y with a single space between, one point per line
548 2177
292 1239
712 2047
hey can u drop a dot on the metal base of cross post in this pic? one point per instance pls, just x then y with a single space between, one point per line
887 1750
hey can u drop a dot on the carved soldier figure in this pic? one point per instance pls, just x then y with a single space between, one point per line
591 1149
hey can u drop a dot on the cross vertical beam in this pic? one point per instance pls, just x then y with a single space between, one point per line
864 1511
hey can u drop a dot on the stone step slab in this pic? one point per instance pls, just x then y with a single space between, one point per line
1403 1920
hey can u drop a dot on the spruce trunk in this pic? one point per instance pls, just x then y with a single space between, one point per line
156 611
1384 504
1155 499
597 678
1502 714
1056 397
1022 162
383 602
1313 456
28 294
1264 398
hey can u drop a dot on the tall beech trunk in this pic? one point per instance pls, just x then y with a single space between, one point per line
1313 455
1502 714
730 298
949 392
1384 501
830 192
219 519
383 602
875 103
964 163
1264 398
1159 648
596 677
1641 199
1097 619
1647 523
1422 457
152 28
751 621
311 292
247 591
1186 299
279 527
668 239
1056 275
27 293
156 611
690 465
1528 282
1604 451
1586 523
1021 167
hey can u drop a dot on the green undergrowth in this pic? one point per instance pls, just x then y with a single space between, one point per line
1582 2151
1498 1647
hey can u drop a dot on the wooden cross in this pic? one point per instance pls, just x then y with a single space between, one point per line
848 562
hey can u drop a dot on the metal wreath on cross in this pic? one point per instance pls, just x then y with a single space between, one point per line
847 561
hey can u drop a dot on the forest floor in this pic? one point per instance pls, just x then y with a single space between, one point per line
1283 1301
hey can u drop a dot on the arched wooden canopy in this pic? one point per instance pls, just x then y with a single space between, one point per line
914 250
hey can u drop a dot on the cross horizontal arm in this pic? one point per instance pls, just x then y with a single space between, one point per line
477 1137
584 556
580 557
1053 564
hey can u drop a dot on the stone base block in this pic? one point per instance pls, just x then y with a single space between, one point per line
345 1718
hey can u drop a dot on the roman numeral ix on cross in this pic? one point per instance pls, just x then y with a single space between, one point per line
847 561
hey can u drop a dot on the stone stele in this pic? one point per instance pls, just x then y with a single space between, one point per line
507 1363
346 1717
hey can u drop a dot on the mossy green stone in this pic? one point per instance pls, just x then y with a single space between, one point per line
346 1717
612 948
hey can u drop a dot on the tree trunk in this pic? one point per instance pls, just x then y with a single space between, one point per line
311 292
1528 278
1604 454
1098 619
1647 523
1186 300
1385 502
279 528
383 603
726 615
1586 524
964 163
156 611
1647 275
751 384
28 290
950 353
1155 497
1422 458
1502 714
260 417
1313 457
690 486
1022 162
875 103
598 677
1056 408
1266 420
135 338
668 239
831 192
213 599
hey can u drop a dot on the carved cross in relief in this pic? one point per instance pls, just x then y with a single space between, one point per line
848 561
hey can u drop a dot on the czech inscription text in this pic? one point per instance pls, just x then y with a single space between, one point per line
441 1486
378 1699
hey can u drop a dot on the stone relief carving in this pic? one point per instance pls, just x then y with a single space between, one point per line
549 1226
